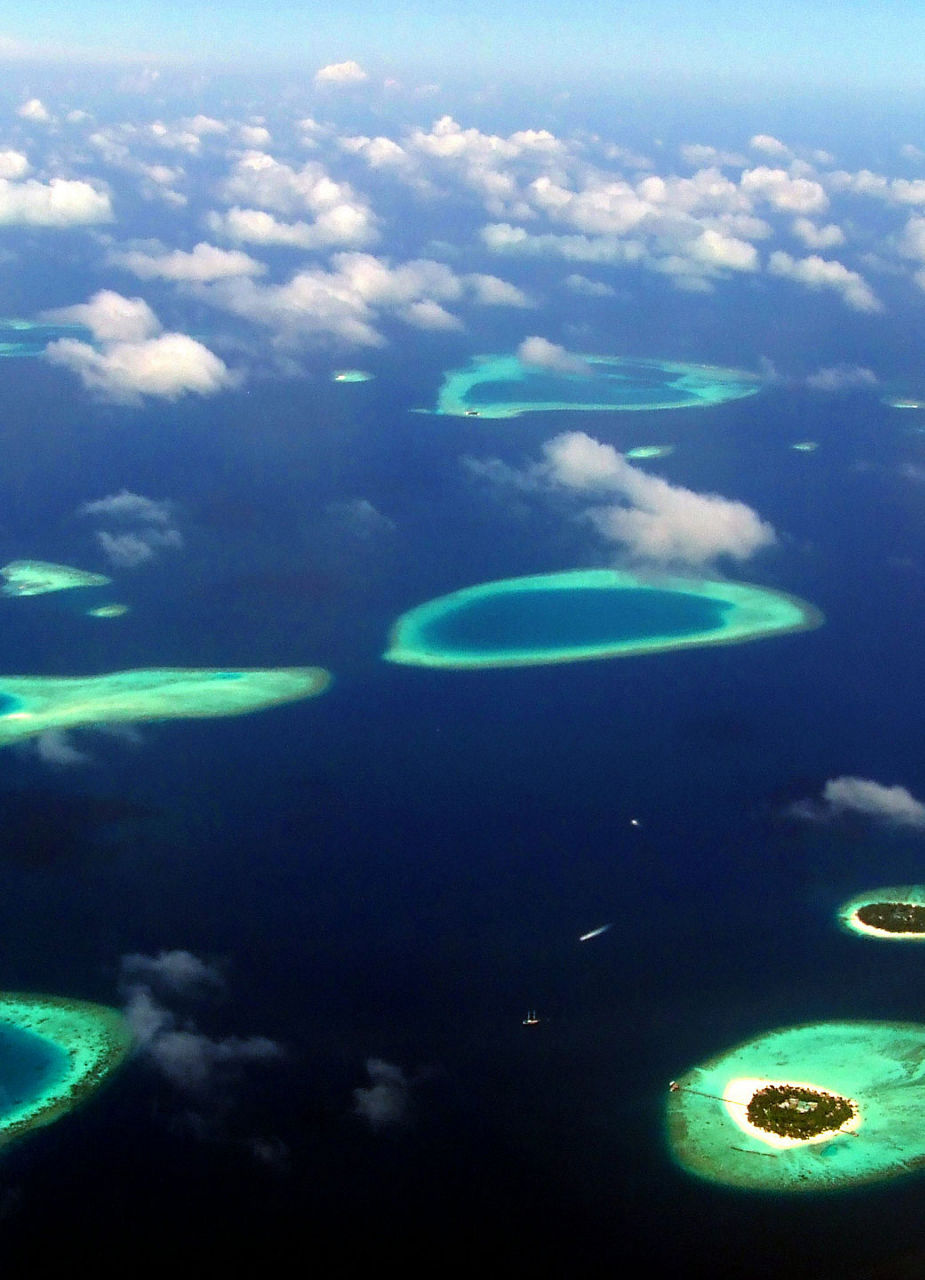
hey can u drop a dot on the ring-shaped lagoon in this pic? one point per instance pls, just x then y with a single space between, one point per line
876 1069
588 613
54 1052
896 914
502 386
32 704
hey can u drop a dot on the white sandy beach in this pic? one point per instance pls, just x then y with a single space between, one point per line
739 1092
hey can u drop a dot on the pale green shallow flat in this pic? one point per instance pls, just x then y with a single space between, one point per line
32 704
878 1065
36 577
93 1038
688 386
911 893
749 613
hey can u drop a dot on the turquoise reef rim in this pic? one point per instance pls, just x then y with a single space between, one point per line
72 1046
907 894
712 612
501 386
878 1066
66 702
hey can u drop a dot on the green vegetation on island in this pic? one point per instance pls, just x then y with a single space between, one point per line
794 1111
894 914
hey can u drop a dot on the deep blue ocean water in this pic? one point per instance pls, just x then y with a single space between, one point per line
402 867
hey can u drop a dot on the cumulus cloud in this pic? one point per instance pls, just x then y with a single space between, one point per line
205 262
386 1100
134 359
336 73
13 164
815 237
61 202
540 353
152 528
55 748
347 301
588 288
823 273
192 1061
842 377
655 521
778 188
35 110
178 972
894 805
770 145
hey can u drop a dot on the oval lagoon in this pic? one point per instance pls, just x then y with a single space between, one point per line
502 386
588 613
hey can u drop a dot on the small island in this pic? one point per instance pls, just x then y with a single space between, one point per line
816 1107
108 611
643 451
896 914
799 1111
54 1053
351 375
36 577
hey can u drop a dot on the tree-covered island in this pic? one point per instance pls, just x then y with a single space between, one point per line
795 1111
893 917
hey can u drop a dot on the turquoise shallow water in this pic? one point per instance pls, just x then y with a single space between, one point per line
29 1064
9 703
553 619
636 386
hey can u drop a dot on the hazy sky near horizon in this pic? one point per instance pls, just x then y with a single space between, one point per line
841 43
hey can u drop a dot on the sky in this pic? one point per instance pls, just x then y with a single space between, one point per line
841 44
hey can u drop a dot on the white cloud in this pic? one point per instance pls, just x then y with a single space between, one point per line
698 155
55 748
176 971
387 1099
61 202
660 522
336 73
204 263
491 291
344 225
770 145
190 1060
13 164
589 288
348 300
540 353
110 317
135 359
822 273
778 188
170 366
129 550
894 805
126 505
34 110
718 250
254 135
842 377
815 237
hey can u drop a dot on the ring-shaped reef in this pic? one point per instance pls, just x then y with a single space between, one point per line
502 386
37 577
896 914
54 1052
869 1076
32 704
582 614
